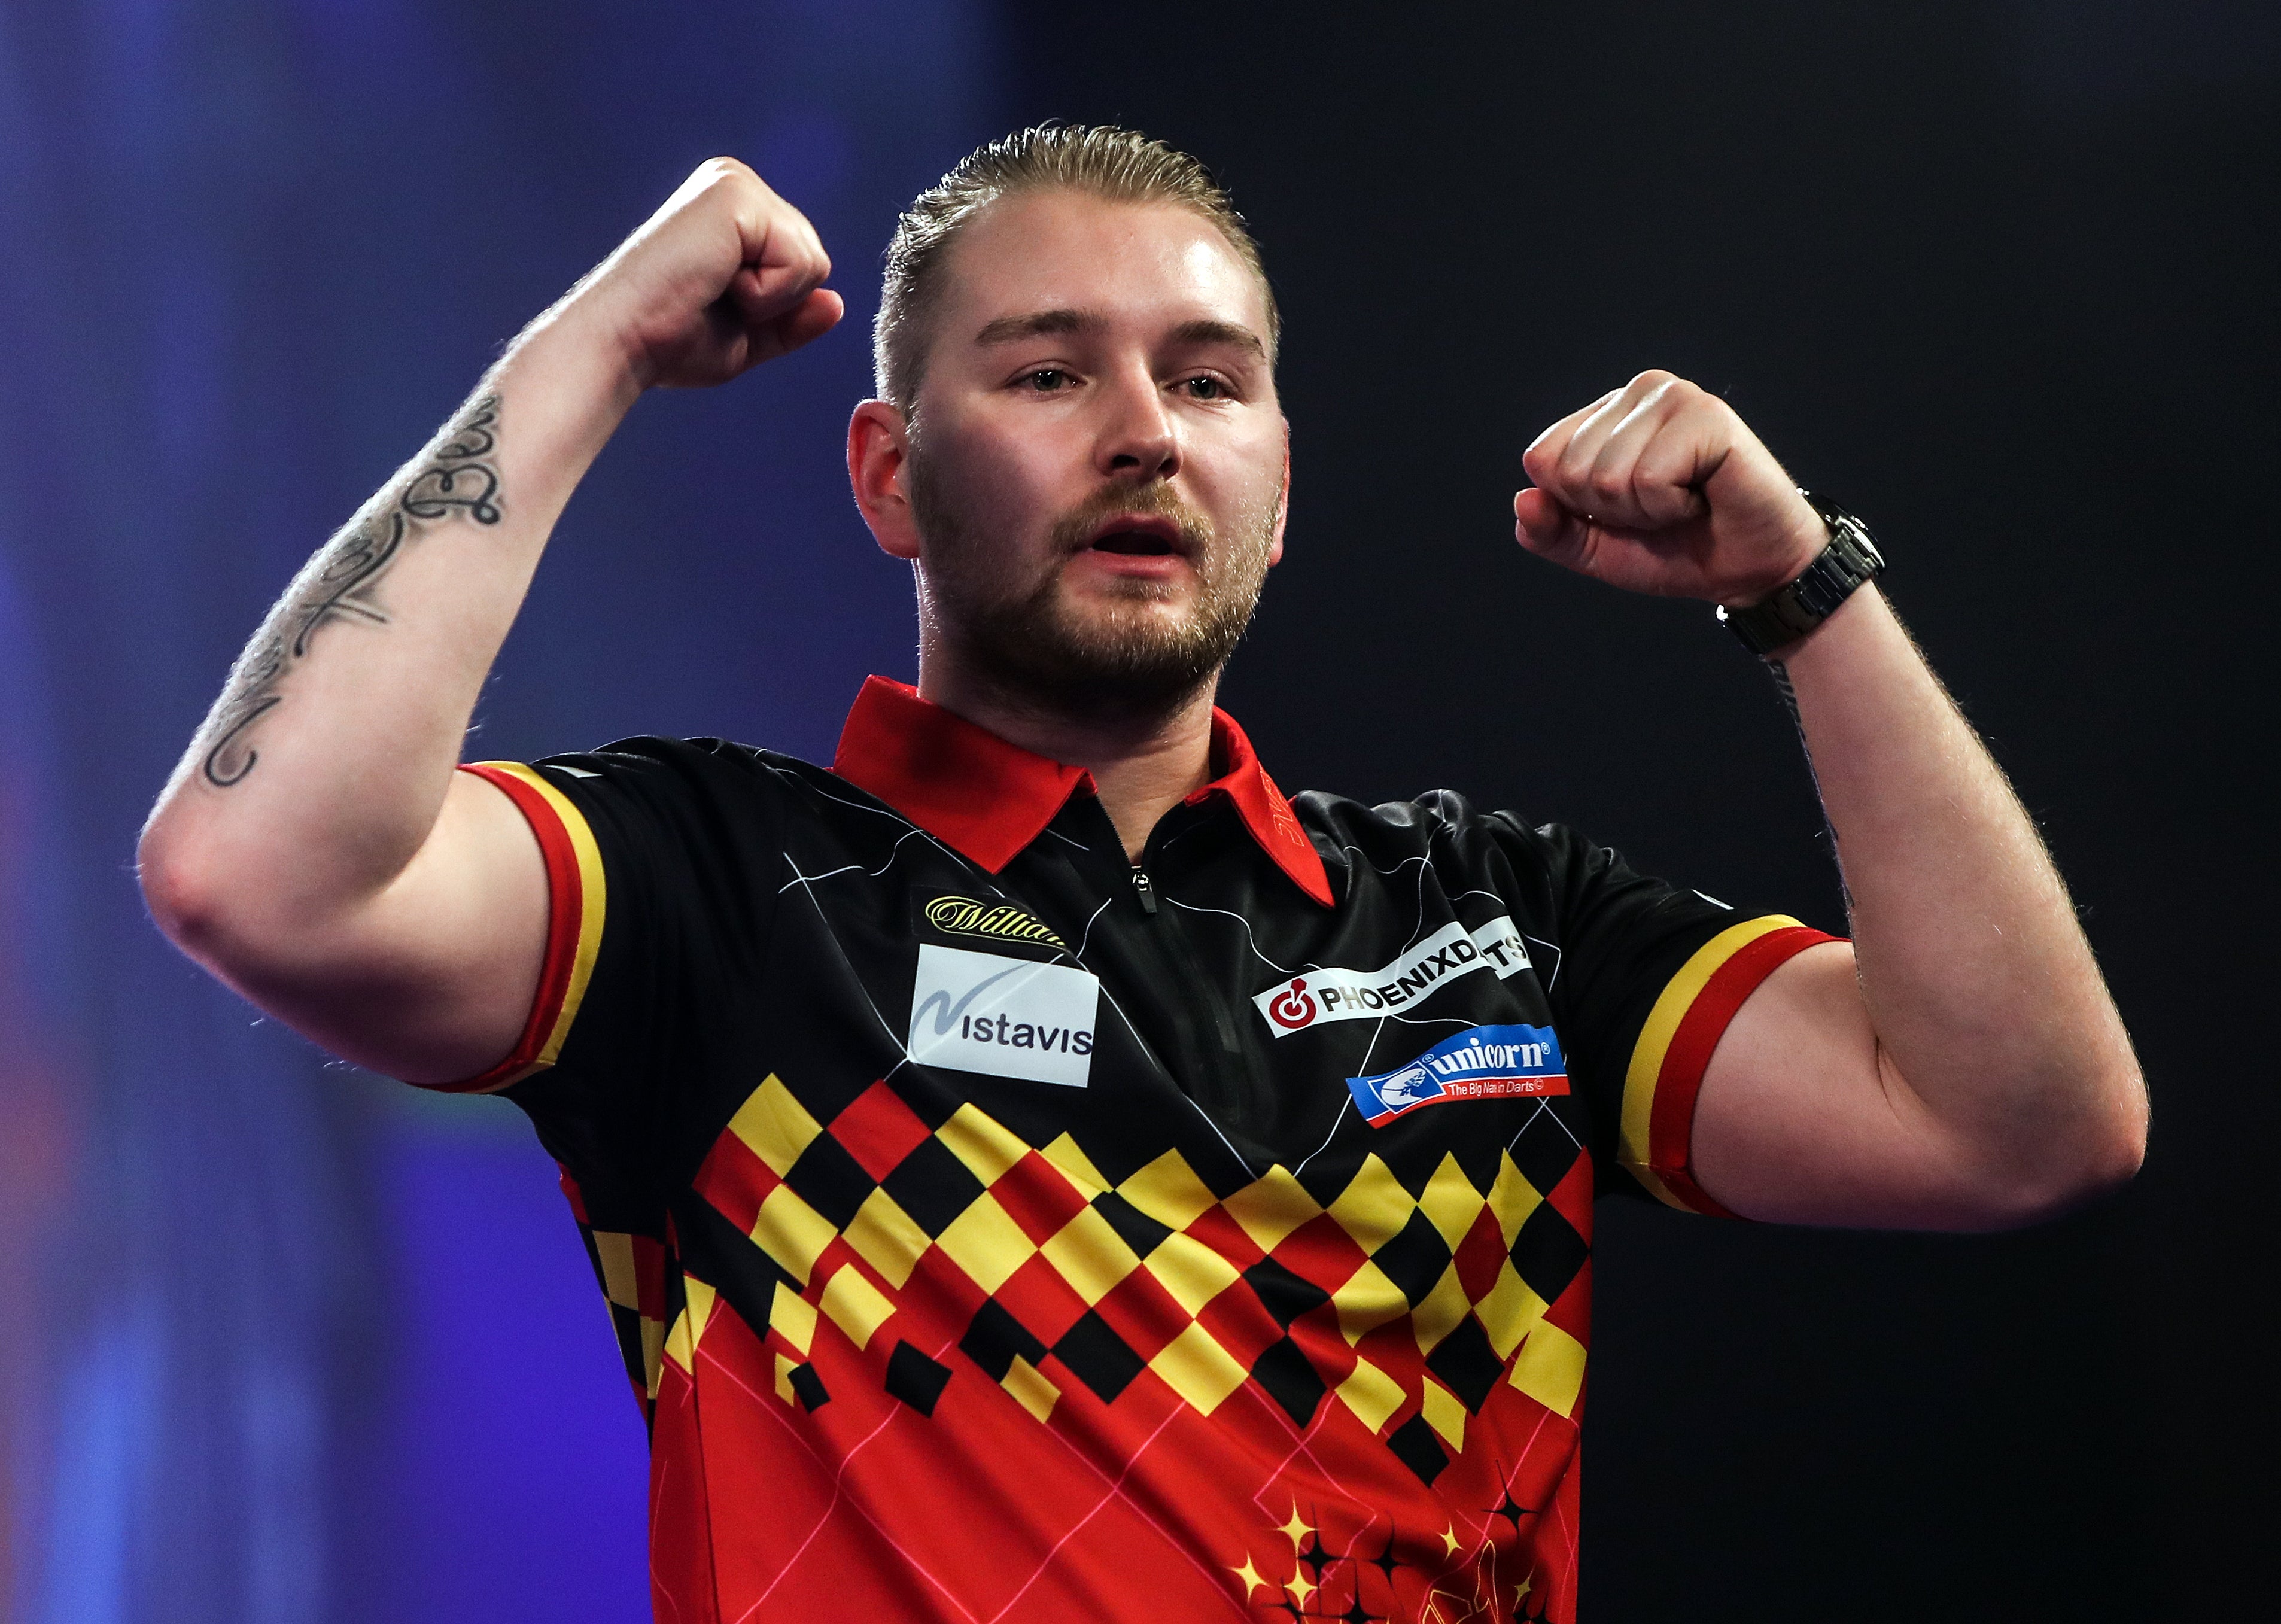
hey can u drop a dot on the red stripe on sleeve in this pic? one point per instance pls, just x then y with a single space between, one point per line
565 902
1671 1125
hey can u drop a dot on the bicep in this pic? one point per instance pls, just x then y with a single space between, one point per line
432 979
1802 1118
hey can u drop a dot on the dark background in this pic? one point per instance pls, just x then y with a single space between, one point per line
289 1345
2002 279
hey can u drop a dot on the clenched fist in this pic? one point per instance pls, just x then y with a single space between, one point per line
1658 487
725 276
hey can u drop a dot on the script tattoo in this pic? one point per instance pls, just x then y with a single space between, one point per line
459 478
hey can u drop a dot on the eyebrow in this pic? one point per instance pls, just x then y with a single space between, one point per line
1221 332
1014 329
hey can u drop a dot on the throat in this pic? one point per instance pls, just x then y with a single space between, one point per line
1142 766
1136 793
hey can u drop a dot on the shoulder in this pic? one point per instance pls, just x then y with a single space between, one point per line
688 771
664 798
1441 827
650 758
707 792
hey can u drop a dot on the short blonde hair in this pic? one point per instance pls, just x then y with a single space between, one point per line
1121 165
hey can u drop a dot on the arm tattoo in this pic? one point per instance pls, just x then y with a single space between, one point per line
459 478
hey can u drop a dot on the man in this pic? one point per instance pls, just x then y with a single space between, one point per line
1038 1170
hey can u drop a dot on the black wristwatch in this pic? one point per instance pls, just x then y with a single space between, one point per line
1849 562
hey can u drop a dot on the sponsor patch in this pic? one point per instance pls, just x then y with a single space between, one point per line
998 920
1009 1017
1335 995
1487 1062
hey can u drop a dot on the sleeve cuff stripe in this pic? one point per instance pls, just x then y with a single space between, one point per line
574 896
1674 1048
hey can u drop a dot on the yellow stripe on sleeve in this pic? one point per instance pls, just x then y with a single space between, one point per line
1662 1023
591 898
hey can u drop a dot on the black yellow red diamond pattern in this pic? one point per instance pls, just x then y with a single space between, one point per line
1406 1304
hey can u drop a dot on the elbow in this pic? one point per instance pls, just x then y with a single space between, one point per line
2119 1147
183 895
2096 1173
2094 1156
2125 1149
2112 1145
201 900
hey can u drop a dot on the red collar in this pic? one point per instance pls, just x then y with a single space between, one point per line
988 799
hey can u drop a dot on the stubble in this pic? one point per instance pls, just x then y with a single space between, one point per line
1123 661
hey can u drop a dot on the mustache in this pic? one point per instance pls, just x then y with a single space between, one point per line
1150 499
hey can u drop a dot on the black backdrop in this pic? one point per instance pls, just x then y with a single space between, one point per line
1999 277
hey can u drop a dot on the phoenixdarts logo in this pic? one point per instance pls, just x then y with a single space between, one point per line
1293 1007
1332 993
1487 1062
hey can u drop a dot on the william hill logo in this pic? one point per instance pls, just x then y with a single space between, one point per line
997 921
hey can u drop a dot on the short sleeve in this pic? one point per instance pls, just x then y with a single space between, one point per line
1646 977
662 858
577 900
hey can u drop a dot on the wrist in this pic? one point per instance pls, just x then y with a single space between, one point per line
1803 655
1848 561
577 346
570 367
1810 535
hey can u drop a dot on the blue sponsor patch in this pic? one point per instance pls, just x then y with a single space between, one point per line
1486 1062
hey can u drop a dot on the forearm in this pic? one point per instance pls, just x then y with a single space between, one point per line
314 847
324 764
1985 1000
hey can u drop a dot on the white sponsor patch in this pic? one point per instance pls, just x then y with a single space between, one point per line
1335 995
1010 1018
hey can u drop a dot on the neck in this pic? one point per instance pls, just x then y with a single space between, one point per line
1142 765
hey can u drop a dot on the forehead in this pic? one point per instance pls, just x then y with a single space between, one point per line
1136 264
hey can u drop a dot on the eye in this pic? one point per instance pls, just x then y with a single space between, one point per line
1203 386
1046 380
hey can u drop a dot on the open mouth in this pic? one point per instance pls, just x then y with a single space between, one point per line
1137 543
1134 536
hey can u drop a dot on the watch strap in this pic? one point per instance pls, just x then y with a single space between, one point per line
1849 562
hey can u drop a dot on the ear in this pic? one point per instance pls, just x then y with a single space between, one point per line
879 453
1282 500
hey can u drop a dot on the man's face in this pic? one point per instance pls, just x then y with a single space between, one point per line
1097 455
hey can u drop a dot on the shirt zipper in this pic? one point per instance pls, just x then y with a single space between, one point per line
1233 1074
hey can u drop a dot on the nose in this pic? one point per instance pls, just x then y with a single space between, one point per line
1139 439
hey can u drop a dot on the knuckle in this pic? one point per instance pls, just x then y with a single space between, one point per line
1664 502
1657 492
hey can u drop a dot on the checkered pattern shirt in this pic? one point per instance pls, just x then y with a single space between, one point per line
996 1229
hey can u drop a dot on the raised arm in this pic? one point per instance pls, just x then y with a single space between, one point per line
314 848
1959 1065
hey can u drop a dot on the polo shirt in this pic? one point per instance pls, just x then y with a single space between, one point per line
997 1229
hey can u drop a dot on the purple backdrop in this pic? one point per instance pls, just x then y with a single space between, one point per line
288 1343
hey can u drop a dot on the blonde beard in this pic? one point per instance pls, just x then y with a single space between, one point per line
1023 638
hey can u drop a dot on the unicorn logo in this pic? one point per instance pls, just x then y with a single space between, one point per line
1413 1085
